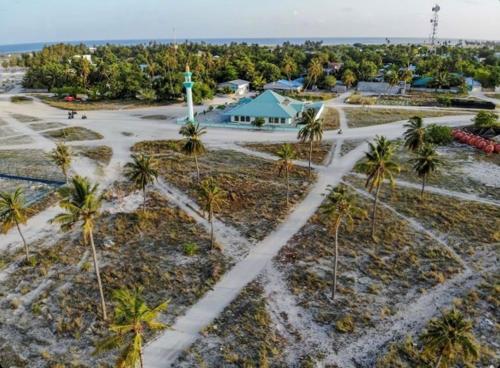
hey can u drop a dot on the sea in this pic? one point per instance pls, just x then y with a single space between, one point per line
37 46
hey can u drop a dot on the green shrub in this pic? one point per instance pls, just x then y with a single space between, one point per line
258 122
444 100
190 249
345 324
20 99
486 119
438 134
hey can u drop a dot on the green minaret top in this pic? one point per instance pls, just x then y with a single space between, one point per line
187 78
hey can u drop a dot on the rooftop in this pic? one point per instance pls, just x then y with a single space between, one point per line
268 104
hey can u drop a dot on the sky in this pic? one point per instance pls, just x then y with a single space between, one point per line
23 21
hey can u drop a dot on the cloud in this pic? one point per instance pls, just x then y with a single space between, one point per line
295 12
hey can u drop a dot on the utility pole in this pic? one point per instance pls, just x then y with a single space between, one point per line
435 23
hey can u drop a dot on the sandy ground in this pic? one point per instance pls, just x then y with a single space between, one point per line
122 129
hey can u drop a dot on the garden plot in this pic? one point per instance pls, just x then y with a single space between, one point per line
25 118
331 118
376 279
319 154
256 194
470 228
242 336
73 134
48 313
44 126
101 154
363 117
465 169
39 166
480 305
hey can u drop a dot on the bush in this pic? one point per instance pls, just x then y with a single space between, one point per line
190 249
444 100
472 104
258 122
357 99
20 99
486 119
438 134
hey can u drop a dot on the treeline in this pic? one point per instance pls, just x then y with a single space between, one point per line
155 71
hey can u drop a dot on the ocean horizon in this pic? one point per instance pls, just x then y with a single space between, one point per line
37 46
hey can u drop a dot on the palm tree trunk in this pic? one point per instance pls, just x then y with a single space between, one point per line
374 210
438 363
26 250
197 167
423 187
287 188
98 276
211 217
141 357
144 199
334 287
310 156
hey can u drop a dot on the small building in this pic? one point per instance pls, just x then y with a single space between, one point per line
239 87
284 85
333 68
87 57
382 88
273 108
473 85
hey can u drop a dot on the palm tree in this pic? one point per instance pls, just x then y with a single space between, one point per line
141 172
311 132
425 163
287 154
348 78
314 71
132 318
212 198
415 133
82 203
449 339
14 212
61 156
378 165
289 66
193 146
339 206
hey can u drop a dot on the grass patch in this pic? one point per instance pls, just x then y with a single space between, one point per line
21 99
331 119
493 95
44 126
362 117
255 202
242 336
73 134
28 162
100 154
21 139
25 118
320 151
155 117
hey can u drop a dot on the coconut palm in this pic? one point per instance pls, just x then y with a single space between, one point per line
314 71
425 163
348 78
61 156
141 172
212 197
378 166
14 212
193 146
311 132
289 66
415 133
287 154
339 207
132 319
81 204
449 340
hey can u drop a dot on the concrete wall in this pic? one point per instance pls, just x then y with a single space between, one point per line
379 88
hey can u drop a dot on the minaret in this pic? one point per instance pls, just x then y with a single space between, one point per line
188 84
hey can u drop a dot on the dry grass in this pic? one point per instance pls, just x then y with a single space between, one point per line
44 126
256 194
73 134
362 117
319 153
101 154
374 279
493 95
243 334
38 165
155 117
21 99
98 105
25 118
331 119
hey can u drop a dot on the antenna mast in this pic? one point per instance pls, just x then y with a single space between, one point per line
435 23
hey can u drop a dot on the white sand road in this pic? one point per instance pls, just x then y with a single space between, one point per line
251 259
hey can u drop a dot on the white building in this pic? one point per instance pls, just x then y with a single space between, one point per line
239 87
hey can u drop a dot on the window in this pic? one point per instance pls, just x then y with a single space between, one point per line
247 119
236 118
282 120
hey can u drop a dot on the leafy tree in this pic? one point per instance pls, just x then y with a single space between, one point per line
311 132
415 133
329 82
449 340
132 319
289 67
81 203
425 163
287 154
141 172
438 134
378 165
14 212
212 198
259 122
314 71
348 78
367 70
61 156
339 207
486 119
193 146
